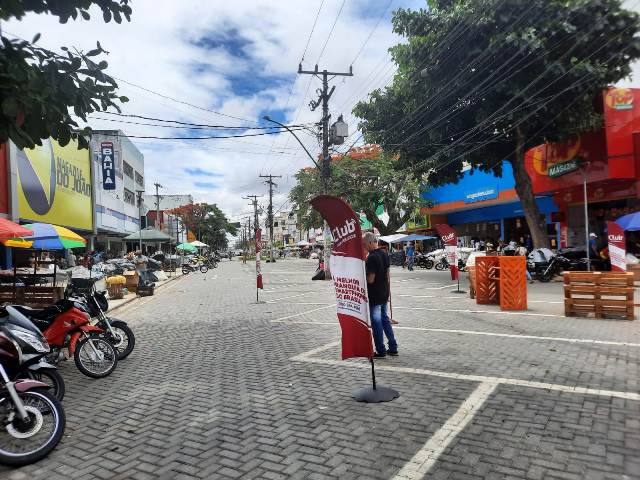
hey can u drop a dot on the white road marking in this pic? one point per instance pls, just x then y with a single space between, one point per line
290 296
492 334
473 378
426 457
303 313
491 312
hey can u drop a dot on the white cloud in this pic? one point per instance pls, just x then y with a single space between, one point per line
157 50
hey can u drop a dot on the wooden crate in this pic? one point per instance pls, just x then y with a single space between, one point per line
603 294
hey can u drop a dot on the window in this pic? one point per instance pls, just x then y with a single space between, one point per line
139 179
129 196
128 170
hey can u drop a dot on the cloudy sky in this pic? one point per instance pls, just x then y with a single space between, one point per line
239 59
232 62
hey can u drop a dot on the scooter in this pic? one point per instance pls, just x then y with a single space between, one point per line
190 267
32 419
66 326
34 347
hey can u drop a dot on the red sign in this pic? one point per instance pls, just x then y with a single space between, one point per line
349 275
258 248
450 241
617 247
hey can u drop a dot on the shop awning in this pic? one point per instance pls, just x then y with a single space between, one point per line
395 238
149 235
414 237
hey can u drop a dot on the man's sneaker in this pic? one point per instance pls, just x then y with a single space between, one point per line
393 354
379 355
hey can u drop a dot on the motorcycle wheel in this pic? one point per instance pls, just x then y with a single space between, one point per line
22 443
439 266
185 269
87 362
125 340
204 269
50 377
545 277
428 264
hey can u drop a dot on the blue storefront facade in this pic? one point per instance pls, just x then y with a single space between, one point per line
484 206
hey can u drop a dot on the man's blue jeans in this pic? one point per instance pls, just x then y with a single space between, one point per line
381 326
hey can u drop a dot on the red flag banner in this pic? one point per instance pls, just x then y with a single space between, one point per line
258 249
450 241
617 247
349 275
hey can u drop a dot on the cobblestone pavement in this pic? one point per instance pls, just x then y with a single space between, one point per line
220 387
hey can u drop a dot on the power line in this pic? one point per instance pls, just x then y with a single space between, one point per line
311 33
372 31
330 32
210 137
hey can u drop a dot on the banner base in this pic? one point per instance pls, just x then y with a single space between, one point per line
458 291
375 395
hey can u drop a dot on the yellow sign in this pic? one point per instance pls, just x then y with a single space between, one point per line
54 185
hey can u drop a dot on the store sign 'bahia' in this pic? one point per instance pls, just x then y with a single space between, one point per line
108 166
559 169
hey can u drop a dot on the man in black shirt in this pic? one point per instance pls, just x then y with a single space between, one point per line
378 291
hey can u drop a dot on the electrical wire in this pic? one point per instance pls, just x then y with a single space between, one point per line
372 32
330 32
209 137
304 52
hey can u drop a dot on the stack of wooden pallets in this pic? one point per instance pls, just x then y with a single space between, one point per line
605 294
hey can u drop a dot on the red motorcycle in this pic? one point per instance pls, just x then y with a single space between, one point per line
66 325
32 419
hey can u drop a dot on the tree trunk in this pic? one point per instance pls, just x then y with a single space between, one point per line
524 189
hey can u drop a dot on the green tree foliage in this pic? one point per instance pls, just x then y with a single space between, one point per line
207 222
366 183
481 81
40 89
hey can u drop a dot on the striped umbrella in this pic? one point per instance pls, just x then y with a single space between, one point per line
46 236
9 229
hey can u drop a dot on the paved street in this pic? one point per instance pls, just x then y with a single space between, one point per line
220 387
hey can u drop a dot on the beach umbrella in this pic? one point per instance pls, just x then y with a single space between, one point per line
198 244
630 222
46 236
186 247
9 229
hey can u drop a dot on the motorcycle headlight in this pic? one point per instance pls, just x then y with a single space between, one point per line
37 342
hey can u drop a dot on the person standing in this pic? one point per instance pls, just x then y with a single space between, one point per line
377 266
71 259
140 261
410 256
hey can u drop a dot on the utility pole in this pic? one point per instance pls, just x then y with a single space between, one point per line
157 185
271 184
325 165
254 202
140 192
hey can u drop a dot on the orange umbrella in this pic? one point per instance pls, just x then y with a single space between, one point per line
9 229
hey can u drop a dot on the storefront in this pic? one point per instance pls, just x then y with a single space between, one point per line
608 161
482 206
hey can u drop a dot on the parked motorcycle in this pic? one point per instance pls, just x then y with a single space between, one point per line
424 261
34 347
33 420
117 332
66 326
194 267
544 272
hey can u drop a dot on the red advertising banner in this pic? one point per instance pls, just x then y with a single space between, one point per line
349 275
258 249
450 241
617 247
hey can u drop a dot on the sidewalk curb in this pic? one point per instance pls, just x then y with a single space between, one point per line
136 297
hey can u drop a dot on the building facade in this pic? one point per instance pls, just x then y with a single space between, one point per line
159 206
116 206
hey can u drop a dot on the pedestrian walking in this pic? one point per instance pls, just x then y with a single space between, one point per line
140 262
377 266
410 256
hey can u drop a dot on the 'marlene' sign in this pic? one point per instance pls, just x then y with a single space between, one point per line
559 169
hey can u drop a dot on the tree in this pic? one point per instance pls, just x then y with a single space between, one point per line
40 89
482 81
367 179
207 222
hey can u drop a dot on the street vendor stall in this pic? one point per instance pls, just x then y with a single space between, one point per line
35 279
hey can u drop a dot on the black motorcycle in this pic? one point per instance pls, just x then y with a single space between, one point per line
424 261
34 349
545 271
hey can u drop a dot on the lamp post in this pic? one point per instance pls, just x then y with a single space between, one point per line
585 177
